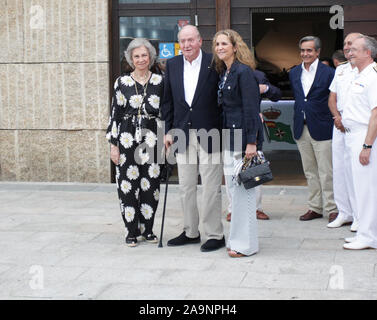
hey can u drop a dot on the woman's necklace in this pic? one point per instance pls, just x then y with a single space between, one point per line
145 86
138 127
142 79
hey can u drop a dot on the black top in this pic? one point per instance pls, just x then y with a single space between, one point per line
128 102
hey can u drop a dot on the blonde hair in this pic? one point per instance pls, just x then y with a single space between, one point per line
242 54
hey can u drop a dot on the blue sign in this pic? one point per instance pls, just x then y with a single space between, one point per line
166 50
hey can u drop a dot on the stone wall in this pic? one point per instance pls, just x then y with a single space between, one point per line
54 93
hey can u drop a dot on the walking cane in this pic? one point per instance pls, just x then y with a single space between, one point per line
166 194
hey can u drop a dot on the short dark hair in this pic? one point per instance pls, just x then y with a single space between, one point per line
339 55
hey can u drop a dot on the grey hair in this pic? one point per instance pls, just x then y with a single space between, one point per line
370 44
358 34
196 29
317 41
137 43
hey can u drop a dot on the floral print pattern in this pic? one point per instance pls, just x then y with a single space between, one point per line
137 178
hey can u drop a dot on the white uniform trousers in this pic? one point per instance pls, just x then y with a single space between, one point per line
210 169
364 183
344 194
243 233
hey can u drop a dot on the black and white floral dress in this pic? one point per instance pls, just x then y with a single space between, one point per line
133 127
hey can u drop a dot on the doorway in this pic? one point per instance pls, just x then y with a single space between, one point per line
275 33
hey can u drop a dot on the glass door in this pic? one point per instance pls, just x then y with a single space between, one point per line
161 31
157 21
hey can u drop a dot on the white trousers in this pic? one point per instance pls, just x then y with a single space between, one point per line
243 233
344 194
258 196
364 183
210 169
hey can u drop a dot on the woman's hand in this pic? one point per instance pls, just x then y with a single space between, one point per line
114 154
251 150
168 141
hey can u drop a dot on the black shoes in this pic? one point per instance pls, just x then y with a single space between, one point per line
151 238
182 239
213 244
131 241
210 245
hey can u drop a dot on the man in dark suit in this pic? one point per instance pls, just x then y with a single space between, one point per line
313 126
190 109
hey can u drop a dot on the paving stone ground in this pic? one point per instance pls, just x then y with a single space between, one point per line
66 241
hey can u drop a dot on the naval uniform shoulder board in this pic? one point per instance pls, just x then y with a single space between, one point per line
375 67
344 62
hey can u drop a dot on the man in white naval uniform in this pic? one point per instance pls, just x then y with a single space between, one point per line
360 122
344 195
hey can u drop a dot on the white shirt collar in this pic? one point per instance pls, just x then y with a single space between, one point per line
367 69
312 68
195 62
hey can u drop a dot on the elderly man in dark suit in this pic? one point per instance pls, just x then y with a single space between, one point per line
190 108
313 126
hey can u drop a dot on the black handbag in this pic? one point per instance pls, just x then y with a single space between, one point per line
166 171
255 171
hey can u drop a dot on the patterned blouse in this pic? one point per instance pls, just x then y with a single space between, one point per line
128 102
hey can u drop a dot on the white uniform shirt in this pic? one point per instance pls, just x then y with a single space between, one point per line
362 96
344 74
191 76
307 77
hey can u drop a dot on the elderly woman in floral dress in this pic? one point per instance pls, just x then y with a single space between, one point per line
132 133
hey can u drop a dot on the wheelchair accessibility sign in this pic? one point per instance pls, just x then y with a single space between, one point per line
167 50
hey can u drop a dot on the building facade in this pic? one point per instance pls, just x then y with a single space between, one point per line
59 59
54 95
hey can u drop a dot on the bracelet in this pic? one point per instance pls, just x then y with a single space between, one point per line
367 146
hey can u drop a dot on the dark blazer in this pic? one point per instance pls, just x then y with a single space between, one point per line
241 104
314 105
204 112
273 93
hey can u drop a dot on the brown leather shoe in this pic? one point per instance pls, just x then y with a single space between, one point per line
228 216
333 216
310 215
262 216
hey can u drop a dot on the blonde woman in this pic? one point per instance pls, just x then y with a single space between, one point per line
239 98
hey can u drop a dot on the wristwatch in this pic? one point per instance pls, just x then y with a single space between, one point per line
367 146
